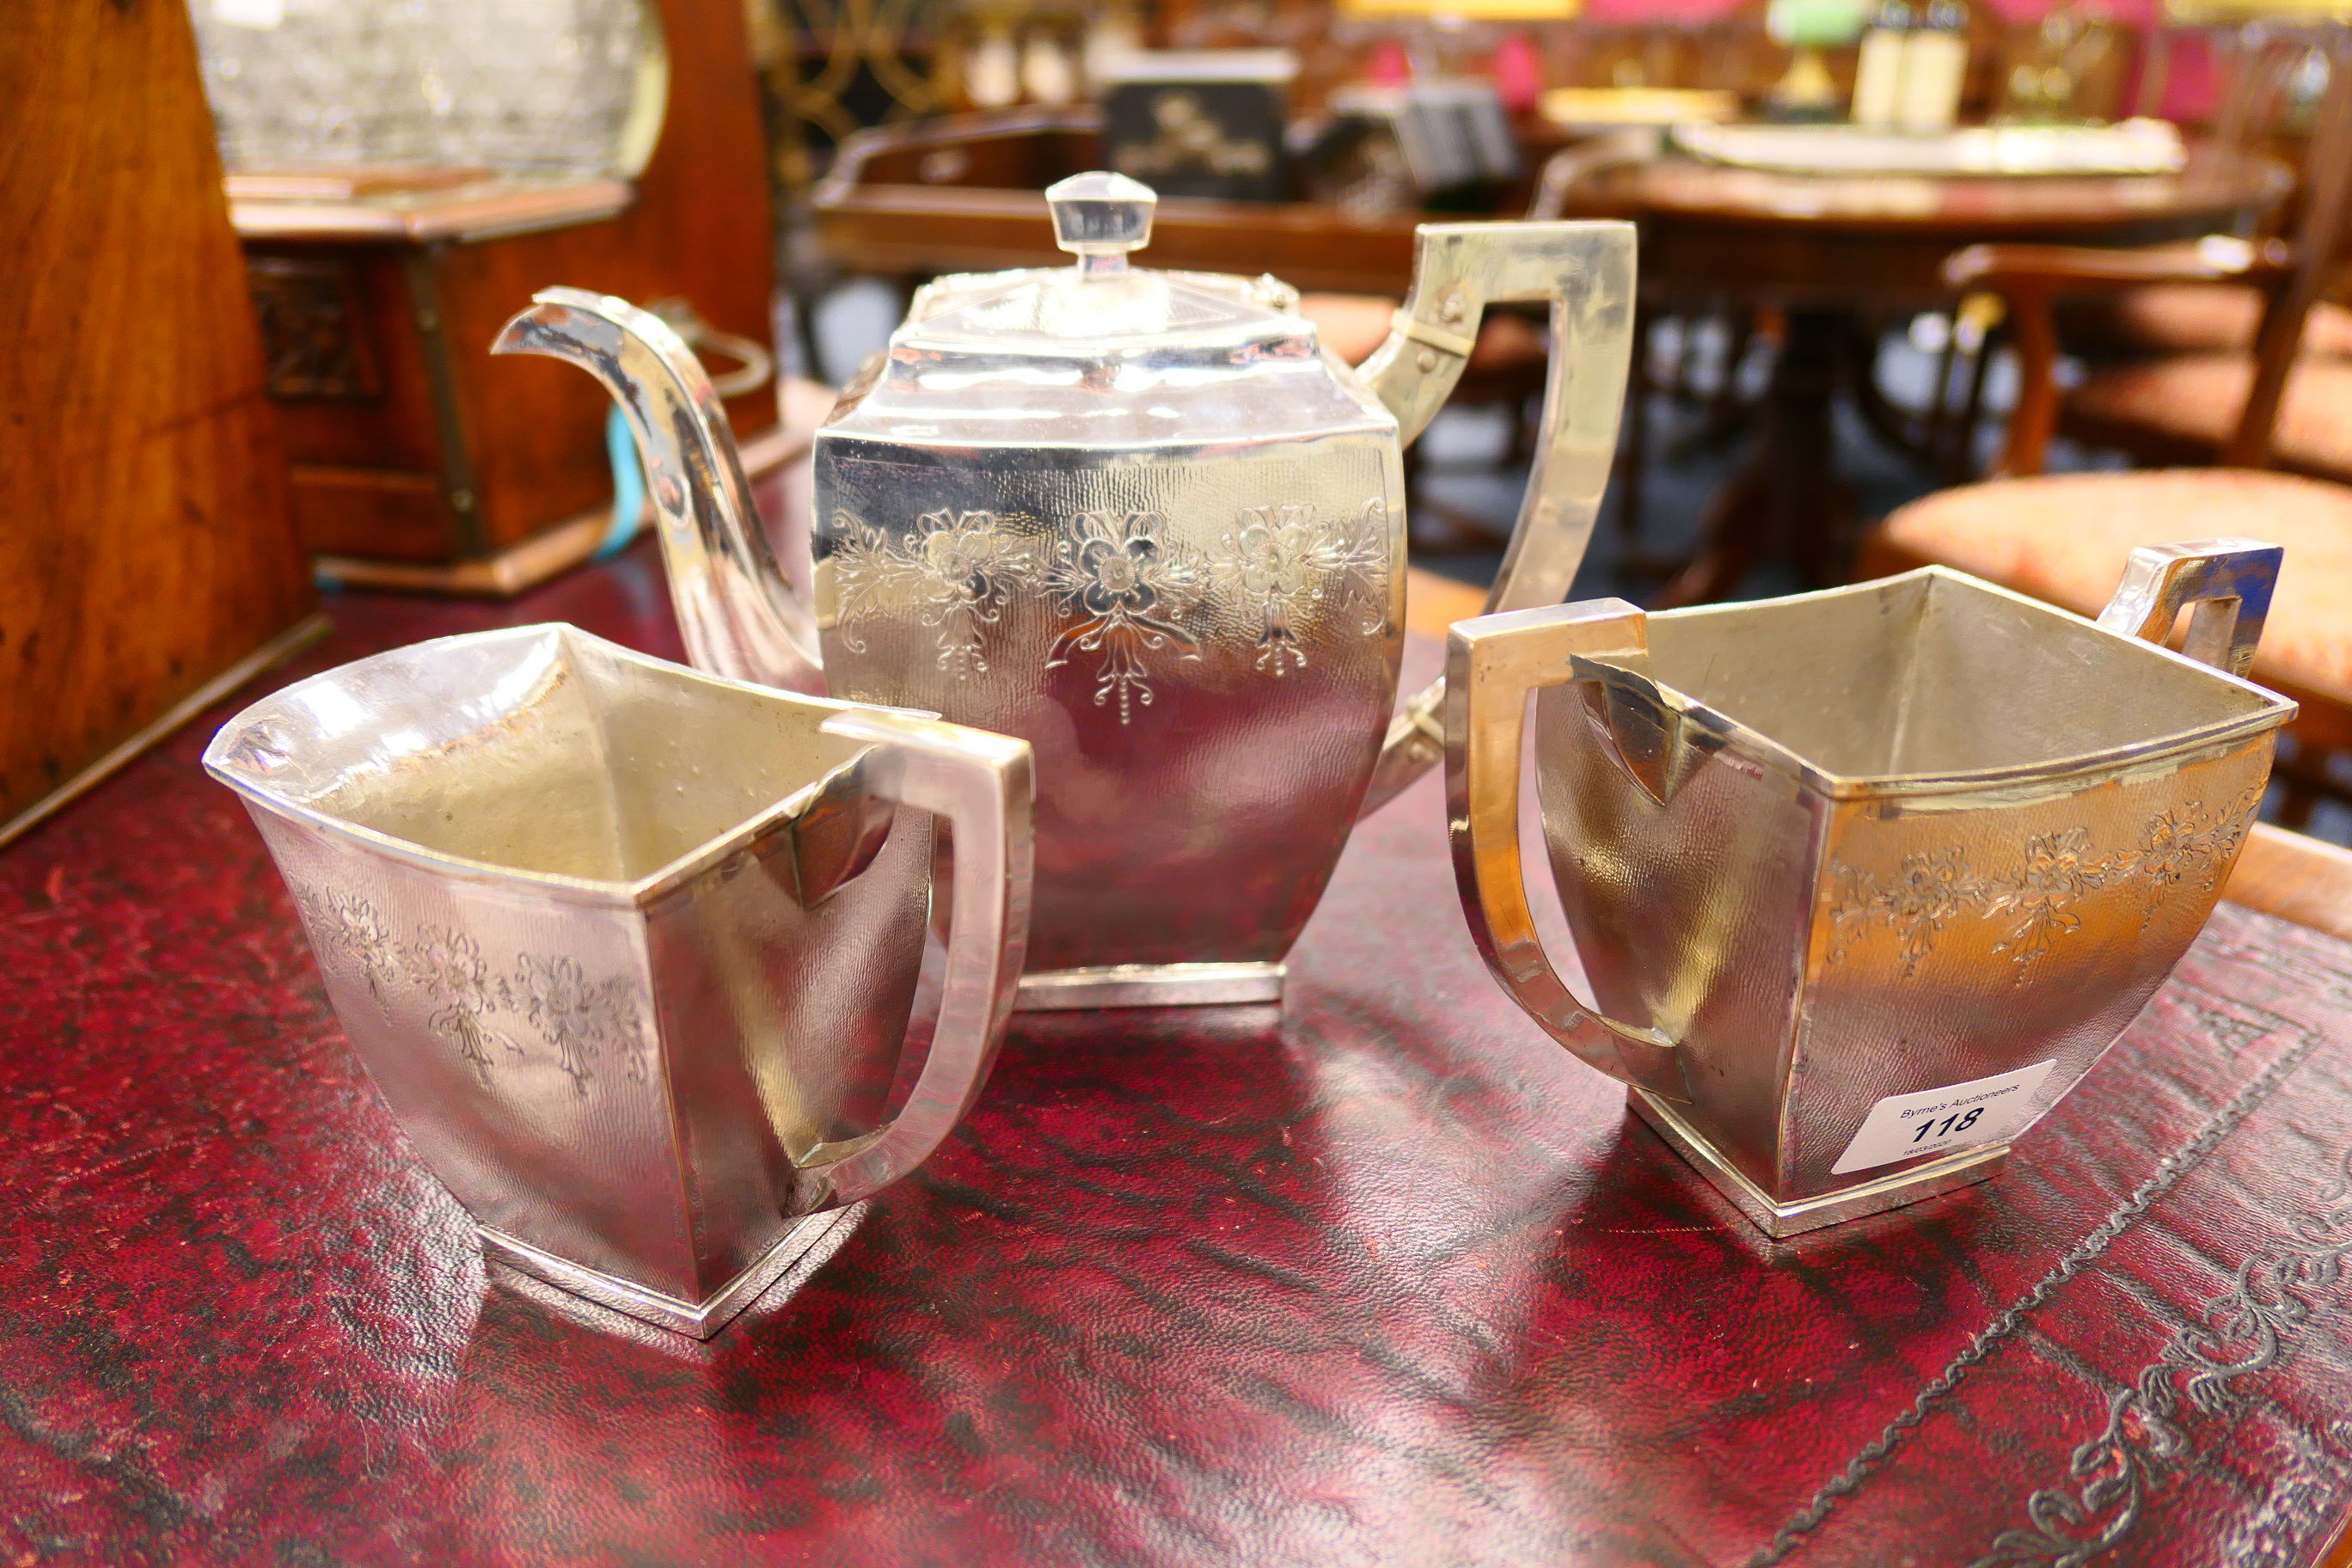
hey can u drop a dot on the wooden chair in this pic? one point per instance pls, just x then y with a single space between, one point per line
2255 112
2201 311
2065 538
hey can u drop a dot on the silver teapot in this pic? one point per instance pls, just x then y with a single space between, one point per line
1142 522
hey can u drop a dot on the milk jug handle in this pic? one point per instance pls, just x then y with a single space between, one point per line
739 617
983 784
2229 581
1586 271
1492 663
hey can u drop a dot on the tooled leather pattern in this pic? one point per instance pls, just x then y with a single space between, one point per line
1383 1279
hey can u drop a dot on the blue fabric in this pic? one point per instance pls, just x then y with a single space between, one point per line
628 484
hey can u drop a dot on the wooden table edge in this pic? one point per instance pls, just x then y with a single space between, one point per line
2295 878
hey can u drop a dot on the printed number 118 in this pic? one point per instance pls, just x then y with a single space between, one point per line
1949 1124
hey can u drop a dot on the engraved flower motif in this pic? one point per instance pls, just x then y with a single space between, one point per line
2175 845
581 1019
2058 871
2056 874
1280 560
449 963
1929 890
1128 587
347 927
956 571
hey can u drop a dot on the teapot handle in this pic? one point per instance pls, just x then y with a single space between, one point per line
1586 269
739 616
1491 664
984 785
2229 580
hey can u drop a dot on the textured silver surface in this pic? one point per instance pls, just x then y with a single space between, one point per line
628 949
1139 520
1879 840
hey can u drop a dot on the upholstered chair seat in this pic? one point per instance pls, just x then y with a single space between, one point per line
2184 408
2218 317
1350 325
2063 539
1511 349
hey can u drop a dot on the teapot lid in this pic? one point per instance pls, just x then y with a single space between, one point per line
1101 302
1102 355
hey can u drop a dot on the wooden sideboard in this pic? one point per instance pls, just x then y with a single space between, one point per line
413 448
149 562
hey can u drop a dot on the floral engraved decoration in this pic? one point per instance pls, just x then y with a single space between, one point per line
1122 589
2038 900
582 1020
956 571
490 1020
1128 591
347 930
1281 560
450 965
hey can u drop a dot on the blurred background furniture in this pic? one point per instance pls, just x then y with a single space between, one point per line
1808 363
2284 404
150 563
965 194
383 263
1839 255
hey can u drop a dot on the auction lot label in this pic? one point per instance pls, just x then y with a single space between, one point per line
1936 1120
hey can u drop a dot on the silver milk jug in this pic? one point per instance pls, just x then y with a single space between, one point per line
1139 520
1863 882
629 951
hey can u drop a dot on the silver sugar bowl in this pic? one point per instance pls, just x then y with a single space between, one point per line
1141 520
1863 881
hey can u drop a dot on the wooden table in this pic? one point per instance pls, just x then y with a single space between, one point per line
1840 253
965 194
1377 1277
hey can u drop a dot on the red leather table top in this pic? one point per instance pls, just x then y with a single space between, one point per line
1383 1279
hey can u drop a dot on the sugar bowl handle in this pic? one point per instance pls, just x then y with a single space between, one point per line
1586 271
984 785
1491 664
2229 580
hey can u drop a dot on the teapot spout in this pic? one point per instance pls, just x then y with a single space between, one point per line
739 616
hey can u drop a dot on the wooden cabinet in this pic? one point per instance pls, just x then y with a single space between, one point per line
418 459
149 562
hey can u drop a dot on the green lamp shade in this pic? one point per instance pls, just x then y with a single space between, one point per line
1816 23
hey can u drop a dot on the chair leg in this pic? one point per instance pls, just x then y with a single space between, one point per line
1723 410
2305 780
2296 803
1678 383
1960 454
1633 451
1936 423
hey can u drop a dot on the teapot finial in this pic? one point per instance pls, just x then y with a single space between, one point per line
1101 216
